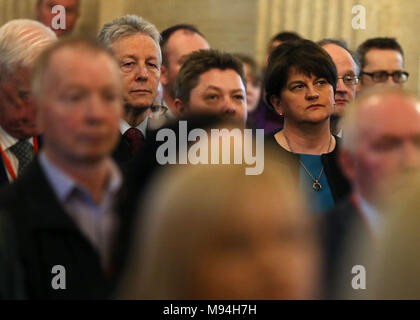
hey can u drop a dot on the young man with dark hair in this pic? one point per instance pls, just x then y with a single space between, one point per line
381 62
211 81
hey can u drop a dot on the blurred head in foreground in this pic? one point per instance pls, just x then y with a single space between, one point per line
212 232
382 141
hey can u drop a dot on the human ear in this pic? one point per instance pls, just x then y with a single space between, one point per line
180 107
163 75
347 163
276 103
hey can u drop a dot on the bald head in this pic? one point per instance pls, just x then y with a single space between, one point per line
346 67
382 140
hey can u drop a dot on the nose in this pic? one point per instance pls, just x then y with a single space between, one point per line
228 106
141 72
341 87
311 93
390 81
25 109
95 110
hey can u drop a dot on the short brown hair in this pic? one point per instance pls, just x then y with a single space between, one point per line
200 62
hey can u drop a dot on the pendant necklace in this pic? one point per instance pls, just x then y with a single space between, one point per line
316 185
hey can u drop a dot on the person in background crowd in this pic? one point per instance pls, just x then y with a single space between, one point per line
381 63
253 77
348 71
212 81
135 43
21 41
265 117
300 84
44 13
62 208
177 43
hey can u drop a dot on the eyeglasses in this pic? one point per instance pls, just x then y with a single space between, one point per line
349 80
382 76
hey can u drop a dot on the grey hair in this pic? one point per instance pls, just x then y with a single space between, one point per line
21 41
128 25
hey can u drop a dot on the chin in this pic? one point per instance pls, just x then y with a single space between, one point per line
138 105
93 158
339 110
26 134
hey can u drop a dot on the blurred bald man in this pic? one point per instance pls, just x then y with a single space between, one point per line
21 41
62 208
347 72
381 144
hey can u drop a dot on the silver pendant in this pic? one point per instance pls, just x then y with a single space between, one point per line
316 186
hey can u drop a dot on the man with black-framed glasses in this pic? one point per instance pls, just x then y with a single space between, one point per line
347 71
382 62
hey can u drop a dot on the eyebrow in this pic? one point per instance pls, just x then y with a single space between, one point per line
129 56
184 56
220 89
296 82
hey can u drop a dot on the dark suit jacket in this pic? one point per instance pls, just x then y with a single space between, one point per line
3 174
339 185
344 229
122 154
47 236
11 273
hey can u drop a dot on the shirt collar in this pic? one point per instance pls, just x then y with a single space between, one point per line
63 184
124 126
373 216
7 141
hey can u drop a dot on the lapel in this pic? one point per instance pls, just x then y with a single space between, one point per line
41 206
48 236
3 175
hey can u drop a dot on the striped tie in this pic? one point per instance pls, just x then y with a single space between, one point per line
24 152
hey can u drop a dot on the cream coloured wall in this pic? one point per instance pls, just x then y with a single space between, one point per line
246 25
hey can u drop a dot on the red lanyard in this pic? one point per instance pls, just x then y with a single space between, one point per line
7 161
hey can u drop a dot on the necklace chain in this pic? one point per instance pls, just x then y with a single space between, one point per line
316 185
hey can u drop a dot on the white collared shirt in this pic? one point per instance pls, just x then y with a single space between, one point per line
6 142
124 126
97 221
373 216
